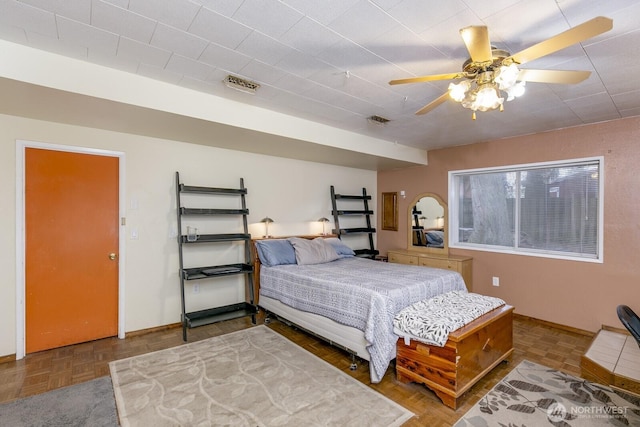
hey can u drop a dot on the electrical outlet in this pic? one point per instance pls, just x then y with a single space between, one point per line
496 281
196 288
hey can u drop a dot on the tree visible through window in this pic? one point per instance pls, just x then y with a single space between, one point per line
551 209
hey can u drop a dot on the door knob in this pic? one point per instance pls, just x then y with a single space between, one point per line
112 256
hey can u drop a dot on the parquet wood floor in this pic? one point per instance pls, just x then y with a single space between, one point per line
533 340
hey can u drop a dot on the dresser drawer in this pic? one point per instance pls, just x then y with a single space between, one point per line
438 263
403 259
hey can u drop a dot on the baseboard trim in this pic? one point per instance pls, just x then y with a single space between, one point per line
617 330
141 332
8 358
556 325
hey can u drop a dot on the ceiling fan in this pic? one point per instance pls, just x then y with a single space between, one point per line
490 74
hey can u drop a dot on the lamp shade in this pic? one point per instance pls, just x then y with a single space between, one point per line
266 220
323 220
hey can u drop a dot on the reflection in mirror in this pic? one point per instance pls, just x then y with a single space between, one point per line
428 224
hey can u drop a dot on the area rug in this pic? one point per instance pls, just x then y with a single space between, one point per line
535 395
253 377
87 404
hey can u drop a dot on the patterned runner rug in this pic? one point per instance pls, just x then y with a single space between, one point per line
534 395
253 377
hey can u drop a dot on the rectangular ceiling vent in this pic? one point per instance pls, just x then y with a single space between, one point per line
377 120
240 84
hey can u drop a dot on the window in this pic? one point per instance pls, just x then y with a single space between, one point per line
544 209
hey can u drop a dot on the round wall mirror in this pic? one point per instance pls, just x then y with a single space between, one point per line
428 224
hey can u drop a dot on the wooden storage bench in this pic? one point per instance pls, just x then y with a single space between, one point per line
469 354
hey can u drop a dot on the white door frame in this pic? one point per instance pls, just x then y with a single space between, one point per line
21 147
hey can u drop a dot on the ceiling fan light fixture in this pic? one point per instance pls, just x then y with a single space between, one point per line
493 74
488 97
458 91
488 90
515 91
507 76
470 101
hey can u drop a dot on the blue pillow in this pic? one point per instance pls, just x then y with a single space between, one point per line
275 252
435 237
342 249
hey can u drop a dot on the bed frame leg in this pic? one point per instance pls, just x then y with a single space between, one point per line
353 365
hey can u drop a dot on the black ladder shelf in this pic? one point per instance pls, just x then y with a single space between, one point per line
366 213
417 228
244 266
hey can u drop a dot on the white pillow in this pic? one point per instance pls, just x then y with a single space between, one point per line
316 251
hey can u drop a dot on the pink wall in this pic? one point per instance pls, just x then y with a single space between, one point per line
577 294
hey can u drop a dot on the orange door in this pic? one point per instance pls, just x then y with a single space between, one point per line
71 220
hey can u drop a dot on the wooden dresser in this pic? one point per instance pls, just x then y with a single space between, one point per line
461 264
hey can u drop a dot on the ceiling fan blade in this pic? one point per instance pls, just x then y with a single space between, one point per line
476 38
577 34
553 76
433 104
430 78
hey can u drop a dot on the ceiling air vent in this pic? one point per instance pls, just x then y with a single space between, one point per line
377 120
241 84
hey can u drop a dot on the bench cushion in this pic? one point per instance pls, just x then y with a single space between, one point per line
430 321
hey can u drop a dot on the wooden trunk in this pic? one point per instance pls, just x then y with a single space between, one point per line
469 354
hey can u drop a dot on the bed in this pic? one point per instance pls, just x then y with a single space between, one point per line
319 285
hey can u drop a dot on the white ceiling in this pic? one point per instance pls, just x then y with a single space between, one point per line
330 61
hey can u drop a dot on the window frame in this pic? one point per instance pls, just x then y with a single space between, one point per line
454 207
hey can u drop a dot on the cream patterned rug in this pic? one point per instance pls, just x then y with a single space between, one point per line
534 395
253 377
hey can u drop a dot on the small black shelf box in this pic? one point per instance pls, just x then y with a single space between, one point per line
219 314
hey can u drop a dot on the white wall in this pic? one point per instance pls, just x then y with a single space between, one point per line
293 193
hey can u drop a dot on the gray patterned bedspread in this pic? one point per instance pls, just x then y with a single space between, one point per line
360 293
